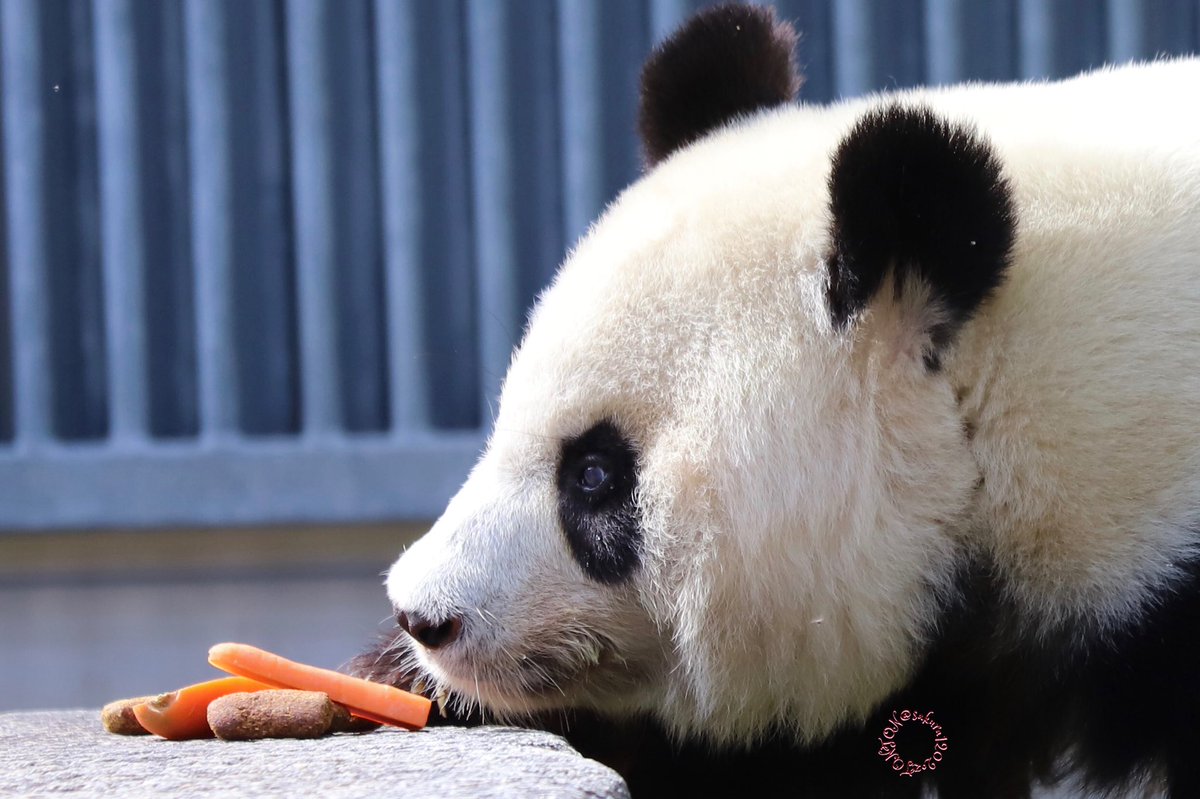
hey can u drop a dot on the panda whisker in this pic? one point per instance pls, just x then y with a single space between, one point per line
546 678
491 615
395 646
512 656
400 644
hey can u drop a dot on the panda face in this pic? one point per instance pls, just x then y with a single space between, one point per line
532 628
688 458
725 407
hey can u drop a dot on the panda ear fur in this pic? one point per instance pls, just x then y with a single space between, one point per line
725 62
922 198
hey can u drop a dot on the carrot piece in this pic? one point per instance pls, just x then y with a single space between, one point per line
365 699
183 714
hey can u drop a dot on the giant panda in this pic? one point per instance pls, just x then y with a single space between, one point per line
854 450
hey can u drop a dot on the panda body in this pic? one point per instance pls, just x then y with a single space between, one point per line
843 411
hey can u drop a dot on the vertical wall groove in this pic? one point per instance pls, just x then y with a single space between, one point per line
24 165
6 352
361 331
120 213
496 275
169 283
396 48
210 160
264 286
582 113
1127 28
944 40
81 361
853 50
313 213
1036 42
446 264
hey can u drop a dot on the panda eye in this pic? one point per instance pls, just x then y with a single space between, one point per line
597 509
593 477
596 470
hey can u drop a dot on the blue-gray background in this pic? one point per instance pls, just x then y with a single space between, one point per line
263 263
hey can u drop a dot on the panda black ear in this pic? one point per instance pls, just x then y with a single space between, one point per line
724 62
913 194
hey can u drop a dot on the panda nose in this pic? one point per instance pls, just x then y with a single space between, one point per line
431 634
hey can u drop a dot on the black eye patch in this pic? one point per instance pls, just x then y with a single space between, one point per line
597 474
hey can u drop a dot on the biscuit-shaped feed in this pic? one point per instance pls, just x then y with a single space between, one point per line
280 713
118 716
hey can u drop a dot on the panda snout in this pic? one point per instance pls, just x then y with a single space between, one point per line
430 633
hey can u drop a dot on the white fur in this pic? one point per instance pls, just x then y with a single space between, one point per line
806 491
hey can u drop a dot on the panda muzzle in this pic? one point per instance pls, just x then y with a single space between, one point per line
430 633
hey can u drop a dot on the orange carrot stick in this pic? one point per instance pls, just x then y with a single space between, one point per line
182 714
368 700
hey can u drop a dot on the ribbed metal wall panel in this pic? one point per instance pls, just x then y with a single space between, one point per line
266 260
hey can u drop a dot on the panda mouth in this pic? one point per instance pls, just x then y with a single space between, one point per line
520 692
529 682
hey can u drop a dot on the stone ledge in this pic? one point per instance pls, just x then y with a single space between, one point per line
68 752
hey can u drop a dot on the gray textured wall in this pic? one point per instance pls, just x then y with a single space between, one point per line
263 262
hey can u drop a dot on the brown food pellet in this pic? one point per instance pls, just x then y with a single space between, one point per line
118 716
271 714
343 721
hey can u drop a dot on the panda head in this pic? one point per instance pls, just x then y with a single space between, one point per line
723 479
